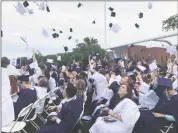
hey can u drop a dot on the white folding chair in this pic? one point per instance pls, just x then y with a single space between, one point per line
168 128
17 126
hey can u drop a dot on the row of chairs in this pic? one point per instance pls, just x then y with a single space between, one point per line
38 106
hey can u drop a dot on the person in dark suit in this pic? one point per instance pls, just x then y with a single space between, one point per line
27 95
70 110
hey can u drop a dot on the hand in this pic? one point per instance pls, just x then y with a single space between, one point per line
139 74
54 118
52 108
158 115
105 118
111 113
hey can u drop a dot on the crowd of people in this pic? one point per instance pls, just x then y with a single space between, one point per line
126 97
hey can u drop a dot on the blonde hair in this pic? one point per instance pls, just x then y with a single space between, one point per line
80 85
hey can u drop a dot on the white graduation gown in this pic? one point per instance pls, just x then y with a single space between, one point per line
6 100
129 113
101 83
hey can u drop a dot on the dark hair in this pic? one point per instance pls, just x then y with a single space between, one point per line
83 75
71 90
64 75
102 71
128 95
47 74
43 82
40 77
4 62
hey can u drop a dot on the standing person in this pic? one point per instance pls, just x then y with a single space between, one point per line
6 100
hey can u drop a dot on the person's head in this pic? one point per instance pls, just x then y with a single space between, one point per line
127 81
4 62
125 91
137 85
173 57
25 81
70 91
171 91
83 75
102 71
43 82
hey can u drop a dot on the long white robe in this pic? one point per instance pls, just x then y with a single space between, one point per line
101 83
129 113
6 100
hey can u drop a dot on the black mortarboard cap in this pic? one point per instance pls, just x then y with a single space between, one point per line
66 48
140 15
111 9
70 37
24 78
60 31
113 14
137 26
26 4
1 33
55 35
47 8
53 29
71 30
79 5
94 22
110 25
165 82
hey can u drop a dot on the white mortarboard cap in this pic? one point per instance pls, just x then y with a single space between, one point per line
50 61
20 8
36 3
142 68
153 66
59 58
115 28
42 6
45 33
30 11
150 5
76 41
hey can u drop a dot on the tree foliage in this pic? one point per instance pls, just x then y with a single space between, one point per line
171 23
80 53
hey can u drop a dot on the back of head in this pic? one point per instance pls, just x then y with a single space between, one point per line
102 71
43 82
4 62
71 91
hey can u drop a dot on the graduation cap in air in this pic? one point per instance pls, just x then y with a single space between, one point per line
24 78
55 35
110 25
53 29
60 31
76 41
66 48
141 68
71 30
45 33
79 5
20 8
30 11
111 9
113 14
26 4
70 37
47 8
1 33
42 6
137 26
150 5
115 28
94 22
140 15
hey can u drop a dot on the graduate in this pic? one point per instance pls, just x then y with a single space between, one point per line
122 118
6 100
68 112
26 95
165 111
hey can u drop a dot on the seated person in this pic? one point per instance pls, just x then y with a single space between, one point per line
151 121
122 118
68 113
26 95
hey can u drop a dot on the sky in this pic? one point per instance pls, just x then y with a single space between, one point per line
66 15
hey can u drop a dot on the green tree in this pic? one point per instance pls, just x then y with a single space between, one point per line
171 23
